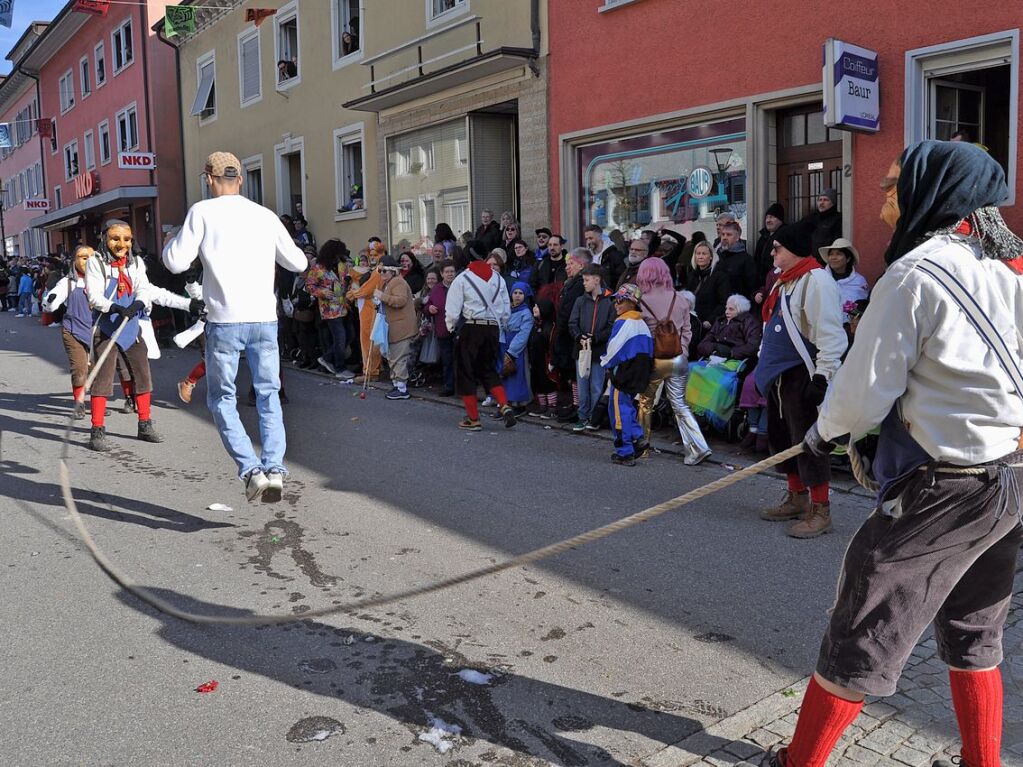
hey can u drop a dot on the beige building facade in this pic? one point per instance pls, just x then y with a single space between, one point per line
374 117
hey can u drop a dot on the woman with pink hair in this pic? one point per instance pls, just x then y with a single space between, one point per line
666 312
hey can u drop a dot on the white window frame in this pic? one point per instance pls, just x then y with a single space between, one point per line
436 19
85 74
244 37
118 32
99 53
397 216
89 150
130 108
335 26
610 5
72 145
58 202
285 14
208 58
255 162
342 136
104 129
403 167
924 64
66 91
290 145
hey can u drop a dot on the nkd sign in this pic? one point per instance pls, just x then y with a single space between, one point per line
37 204
852 88
136 161
86 184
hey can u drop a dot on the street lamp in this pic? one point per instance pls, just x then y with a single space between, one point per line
722 156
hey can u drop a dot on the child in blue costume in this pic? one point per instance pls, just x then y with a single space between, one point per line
629 361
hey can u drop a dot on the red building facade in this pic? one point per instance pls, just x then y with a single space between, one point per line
109 89
666 113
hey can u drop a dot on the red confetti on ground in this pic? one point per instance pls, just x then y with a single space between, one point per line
209 686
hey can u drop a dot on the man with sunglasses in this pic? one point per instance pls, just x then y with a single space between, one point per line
239 243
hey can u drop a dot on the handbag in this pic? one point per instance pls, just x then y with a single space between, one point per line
585 360
429 353
509 366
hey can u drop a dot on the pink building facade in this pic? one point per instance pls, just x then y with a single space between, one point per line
108 87
21 164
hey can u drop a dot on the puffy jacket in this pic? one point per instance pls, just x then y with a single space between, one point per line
737 338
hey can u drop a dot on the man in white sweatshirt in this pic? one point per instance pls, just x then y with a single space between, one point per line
239 243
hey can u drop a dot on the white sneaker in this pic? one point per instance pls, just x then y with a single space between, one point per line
19 315
488 402
275 487
255 485
331 368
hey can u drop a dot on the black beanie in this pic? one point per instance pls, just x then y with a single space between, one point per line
795 238
777 210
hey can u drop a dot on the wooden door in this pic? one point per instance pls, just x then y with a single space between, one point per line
809 160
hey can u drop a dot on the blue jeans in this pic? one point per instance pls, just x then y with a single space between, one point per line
224 343
25 303
336 354
590 390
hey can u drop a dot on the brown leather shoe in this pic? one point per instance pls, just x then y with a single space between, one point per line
793 506
817 522
361 379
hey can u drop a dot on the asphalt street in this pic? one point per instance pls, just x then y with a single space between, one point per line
599 656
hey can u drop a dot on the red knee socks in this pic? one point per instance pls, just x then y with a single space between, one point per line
197 372
79 393
795 483
819 493
822 720
98 407
977 697
472 407
499 394
142 402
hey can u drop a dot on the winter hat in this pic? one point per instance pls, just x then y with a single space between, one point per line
777 210
390 263
628 292
500 255
832 195
795 238
544 230
524 287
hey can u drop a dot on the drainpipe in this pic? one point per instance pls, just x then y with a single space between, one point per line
181 109
534 26
39 116
154 205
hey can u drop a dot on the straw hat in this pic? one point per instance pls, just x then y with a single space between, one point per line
841 244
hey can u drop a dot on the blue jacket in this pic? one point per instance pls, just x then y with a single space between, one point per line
630 352
520 325
25 285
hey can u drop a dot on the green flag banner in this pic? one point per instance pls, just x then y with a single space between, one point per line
179 19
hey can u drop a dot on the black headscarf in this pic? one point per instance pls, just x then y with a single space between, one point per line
940 184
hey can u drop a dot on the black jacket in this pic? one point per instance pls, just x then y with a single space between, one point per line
629 275
712 289
612 262
596 316
547 272
825 228
564 344
633 376
762 256
741 271
489 236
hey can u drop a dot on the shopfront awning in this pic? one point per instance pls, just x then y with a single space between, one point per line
124 195
470 70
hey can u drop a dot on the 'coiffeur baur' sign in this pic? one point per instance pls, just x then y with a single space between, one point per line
852 88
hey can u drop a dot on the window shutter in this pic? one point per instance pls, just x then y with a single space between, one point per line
250 68
202 93
492 163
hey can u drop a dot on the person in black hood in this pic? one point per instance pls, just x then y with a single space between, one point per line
825 222
773 219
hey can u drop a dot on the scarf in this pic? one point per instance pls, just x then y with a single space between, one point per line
943 183
123 280
804 266
481 269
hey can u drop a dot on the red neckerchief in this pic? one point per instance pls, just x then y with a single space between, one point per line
803 266
481 269
123 280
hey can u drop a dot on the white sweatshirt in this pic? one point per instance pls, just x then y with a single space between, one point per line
238 243
915 343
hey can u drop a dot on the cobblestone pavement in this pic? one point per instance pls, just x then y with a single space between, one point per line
908 729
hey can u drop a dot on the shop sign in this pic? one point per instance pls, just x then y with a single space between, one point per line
136 161
852 88
37 204
700 183
86 184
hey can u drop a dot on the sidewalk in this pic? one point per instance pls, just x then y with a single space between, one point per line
908 729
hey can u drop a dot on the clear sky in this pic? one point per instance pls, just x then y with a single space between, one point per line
25 12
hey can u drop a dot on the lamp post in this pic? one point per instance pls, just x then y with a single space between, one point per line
720 152
3 232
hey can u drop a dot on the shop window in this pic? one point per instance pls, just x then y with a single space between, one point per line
348 30
86 75
104 142
66 87
101 64
807 128
89 147
123 47
287 46
205 105
127 129
682 178
442 10
968 87
349 161
447 187
249 68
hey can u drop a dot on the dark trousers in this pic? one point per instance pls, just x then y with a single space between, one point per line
447 360
338 341
135 358
790 414
476 351
950 558
77 357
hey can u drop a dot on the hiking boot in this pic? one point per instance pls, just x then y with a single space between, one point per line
98 440
147 433
777 758
129 405
185 390
793 506
623 460
275 487
509 416
256 484
816 522
470 424
80 410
